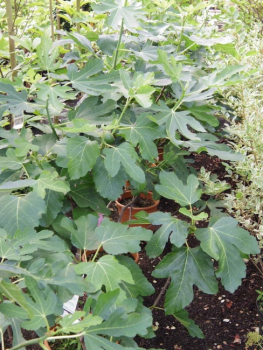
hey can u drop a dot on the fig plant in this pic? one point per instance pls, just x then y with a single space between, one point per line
92 120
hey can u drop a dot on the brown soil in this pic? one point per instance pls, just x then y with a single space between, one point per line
224 318
140 203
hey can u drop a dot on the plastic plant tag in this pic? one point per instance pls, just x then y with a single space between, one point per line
70 306
18 121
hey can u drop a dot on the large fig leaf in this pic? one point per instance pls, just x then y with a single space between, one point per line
94 113
7 250
173 228
143 132
118 12
11 186
53 93
186 267
69 324
15 323
84 236
9 176
193 329
209 143
108 186
223 241
85 195
47 54
45 303
138 87
173 188
91 86
117 238
21 212
96 342
142 286
172 69
127 156
106 302
50 181
82 154
29 241
73 283
15 101
11 161
177 122
45 143
120 324
13 293
54 203
106 271
22 243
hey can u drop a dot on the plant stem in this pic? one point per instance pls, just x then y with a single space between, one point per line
51 20
118 45
78 10
85 256
29 342
10 24
50 121
161 292
181 36
158 308
2 339
96 254
58 22
64 337
160 95
122 114
127 206
191 211
45 345
26 171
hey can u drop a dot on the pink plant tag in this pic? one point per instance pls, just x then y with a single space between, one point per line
100 219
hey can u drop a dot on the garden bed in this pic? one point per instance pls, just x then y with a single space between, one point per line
151 82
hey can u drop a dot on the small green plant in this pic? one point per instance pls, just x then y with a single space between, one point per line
254 339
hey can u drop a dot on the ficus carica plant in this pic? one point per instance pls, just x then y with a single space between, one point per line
91 116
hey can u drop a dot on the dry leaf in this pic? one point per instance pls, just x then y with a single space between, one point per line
229 304
237 339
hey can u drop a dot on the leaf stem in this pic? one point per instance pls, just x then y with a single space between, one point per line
119 41
96 254
26 171
29 342
118 45
160 95
161 293
158 308
122 114
50 122
2 339
192 219
65 336
51 20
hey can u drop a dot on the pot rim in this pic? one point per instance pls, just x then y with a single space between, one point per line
156 202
